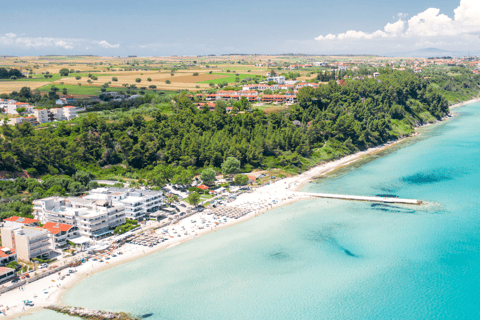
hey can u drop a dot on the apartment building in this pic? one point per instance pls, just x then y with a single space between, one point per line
28 242
41 115
12 107
69 112
61 233
277 79
279 98
93 218
138 203
57 114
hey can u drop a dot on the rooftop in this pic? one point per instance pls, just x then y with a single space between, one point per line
56 228
21 220
4 270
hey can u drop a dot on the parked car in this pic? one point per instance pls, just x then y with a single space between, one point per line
43 266
183 205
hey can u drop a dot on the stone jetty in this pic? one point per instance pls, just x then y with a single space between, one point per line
91 314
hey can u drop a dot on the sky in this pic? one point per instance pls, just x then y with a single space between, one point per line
192 27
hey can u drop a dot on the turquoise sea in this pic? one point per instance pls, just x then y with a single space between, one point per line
326 259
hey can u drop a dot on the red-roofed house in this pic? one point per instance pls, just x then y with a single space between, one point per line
7 255
211 105
61 233
203 187
20 221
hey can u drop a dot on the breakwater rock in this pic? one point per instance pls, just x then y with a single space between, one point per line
92 314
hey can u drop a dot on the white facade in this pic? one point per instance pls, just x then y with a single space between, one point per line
28 242
41 115
138 203
57 114
69 112
15 121
94 218
278 79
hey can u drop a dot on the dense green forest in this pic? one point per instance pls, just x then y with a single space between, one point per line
140 139
328 122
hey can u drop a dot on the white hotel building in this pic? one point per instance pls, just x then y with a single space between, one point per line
138 203
93 218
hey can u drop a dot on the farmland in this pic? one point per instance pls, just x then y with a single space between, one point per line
9 86
227 77
81 90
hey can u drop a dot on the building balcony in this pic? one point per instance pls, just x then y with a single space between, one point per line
34 241
39 252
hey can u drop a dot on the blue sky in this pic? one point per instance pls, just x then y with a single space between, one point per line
186 27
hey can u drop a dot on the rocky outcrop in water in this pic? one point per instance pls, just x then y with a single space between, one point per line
92 314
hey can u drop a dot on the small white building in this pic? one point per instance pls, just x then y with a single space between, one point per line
70 112
7 255
277 79
57 114
41 115
6 274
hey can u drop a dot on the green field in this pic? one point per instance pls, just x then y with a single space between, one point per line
230 78
37 78
95 90
56 76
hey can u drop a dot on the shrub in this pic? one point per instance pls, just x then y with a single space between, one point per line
168 82
138 80
195 74
78 77
114 79
149 79
240 179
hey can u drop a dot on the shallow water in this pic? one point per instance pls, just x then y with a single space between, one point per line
330 259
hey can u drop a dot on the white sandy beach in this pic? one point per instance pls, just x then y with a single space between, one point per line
50 290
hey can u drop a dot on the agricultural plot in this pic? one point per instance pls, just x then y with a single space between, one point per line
9 86
226 77
83 90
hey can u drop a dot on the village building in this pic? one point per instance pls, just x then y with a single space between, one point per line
61 233
138 204
7 255
94 219
28 242
6 274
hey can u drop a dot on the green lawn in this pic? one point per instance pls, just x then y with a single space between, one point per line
37 78
229 78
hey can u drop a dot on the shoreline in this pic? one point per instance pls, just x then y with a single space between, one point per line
269 197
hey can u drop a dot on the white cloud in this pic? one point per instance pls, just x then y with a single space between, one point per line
107 45
327 37
429 23
13 40
395 28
